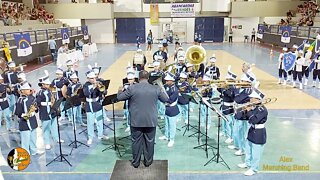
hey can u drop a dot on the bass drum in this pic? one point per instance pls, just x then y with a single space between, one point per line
3 65
64 91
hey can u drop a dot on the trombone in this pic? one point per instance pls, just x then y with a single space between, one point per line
242 107
226 84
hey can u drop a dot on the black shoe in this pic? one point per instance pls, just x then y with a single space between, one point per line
135 166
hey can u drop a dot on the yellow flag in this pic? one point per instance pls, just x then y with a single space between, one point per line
154 14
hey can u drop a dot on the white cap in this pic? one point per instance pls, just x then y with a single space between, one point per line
11 64
189 65
295 46
74 76
59 71
131 75
256 94
156 63
90 74
183 75
96 70
284 49
169 77
160 45
69 63
45 79
306 45
181 58
25 86
213 59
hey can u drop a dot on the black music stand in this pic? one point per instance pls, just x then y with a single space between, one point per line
106 83
217 157
112 99
70 102
189 98
55 110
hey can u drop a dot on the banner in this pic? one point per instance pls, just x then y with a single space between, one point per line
261 29
154 14
285 36
65 36
289 60
182 10
84 30
23 42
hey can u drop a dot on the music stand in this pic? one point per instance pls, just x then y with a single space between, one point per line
112 99
217 157
55 110
70 102
189 98
106 84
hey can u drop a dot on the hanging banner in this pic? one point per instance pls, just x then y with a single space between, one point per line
289 60
261 29
65 36
285 36
183 10
154 14
84 30
23 43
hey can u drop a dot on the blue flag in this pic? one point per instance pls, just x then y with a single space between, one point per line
313 63
23 42
261 29
289 60
285 35
65 35
84 30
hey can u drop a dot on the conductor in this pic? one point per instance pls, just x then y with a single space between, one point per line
143 115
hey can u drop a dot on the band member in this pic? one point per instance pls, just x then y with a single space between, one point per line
69 70
131 81
45 100
161 53
206 93
316 71
72 90
228 95
139 60
11 78
282 72
290 72
297 71
58 84
181 65
247 71
4 103
195 38
199 39
213 69
307 61
138 42
179 52
184 88
149 41
257 136
172 110
93 106
240 128
157 72
165 44
26 110
190 71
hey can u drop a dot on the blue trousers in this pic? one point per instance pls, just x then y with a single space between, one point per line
91 117
76 114
12 101
126 114
183 112
253 155
203 112
50 127
227 127
6 113
29 140
170 127
63 113
240 132
161 109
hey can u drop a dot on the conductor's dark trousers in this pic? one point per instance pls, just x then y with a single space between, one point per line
142 143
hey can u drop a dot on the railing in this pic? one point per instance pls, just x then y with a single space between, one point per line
40 36
305 32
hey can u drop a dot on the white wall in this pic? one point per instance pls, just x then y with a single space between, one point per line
71 22
156 30
101 31
127 6
216 5
273 20
247 25
167 7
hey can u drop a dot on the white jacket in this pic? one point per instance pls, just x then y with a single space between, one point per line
280 60
317 64
307 57
299 63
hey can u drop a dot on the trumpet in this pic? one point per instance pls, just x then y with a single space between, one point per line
242 107
100 86
76 91
31 110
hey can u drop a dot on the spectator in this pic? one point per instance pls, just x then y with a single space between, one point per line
52 46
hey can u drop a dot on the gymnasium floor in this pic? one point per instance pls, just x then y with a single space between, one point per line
293 125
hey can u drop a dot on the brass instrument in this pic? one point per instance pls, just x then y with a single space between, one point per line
226 84
76 91
53 89
196 55
64 91
171 68
160 84
100 86
242 107
31 110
